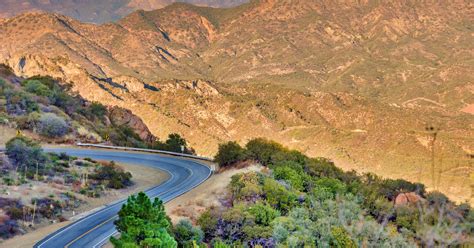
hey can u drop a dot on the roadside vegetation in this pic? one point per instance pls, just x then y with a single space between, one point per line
308 202
48 108
38 187
26 166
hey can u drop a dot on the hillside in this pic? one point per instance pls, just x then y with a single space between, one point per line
98 11
368 84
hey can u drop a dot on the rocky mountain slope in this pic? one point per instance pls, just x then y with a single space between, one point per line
98 11
373 85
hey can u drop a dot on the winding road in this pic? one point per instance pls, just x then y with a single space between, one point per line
95 229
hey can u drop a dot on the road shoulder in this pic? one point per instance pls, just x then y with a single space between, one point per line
144 178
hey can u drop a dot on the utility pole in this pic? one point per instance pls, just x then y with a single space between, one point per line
434 132
36 175
34 213
87 176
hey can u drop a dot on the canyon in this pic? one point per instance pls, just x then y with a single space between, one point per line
378 87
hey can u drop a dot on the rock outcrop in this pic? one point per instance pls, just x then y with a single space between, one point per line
408 198
120 116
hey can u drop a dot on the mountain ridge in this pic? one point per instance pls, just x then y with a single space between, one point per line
98 11
359 82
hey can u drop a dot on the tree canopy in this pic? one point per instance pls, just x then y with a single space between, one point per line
143 223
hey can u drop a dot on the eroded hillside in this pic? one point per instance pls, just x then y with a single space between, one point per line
368 84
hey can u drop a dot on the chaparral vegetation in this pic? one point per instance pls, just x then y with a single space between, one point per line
309 202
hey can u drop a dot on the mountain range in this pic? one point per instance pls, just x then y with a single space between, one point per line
384 87
98 11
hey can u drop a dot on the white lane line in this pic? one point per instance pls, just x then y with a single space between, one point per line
107 208
102 242
161 185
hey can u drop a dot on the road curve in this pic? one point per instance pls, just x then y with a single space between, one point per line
95 229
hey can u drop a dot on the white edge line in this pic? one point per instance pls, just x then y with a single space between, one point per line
101 242
134 149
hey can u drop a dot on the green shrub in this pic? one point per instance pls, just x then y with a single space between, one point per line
246 186
252 232
23 151
15 212
19 103
407 217
67 103
334 186
3 83
341 238
47 81
98 109
29 121
437 198
220 244
51 125
115 176
8 181
264 214
37 88
186 234
263 151
229 153
289 175
207 221
278 196
322 167
176 143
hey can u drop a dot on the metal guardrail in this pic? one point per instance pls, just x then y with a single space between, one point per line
2 150
144 150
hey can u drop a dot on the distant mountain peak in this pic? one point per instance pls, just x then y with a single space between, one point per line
98 11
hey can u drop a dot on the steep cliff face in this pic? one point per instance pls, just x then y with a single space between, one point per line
120 117
361 82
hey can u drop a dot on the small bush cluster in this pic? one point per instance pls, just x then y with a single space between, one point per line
23 151
94 177
112 175
174 143
187 235
230 153
12 212
50 125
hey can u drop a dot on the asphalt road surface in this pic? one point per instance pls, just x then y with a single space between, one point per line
95 229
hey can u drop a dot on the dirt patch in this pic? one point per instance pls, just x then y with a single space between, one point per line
144 178
468 109
6 133
206 195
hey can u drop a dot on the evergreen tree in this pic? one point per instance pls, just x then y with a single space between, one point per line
143 223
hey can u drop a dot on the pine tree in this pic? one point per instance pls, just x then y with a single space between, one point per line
143 223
